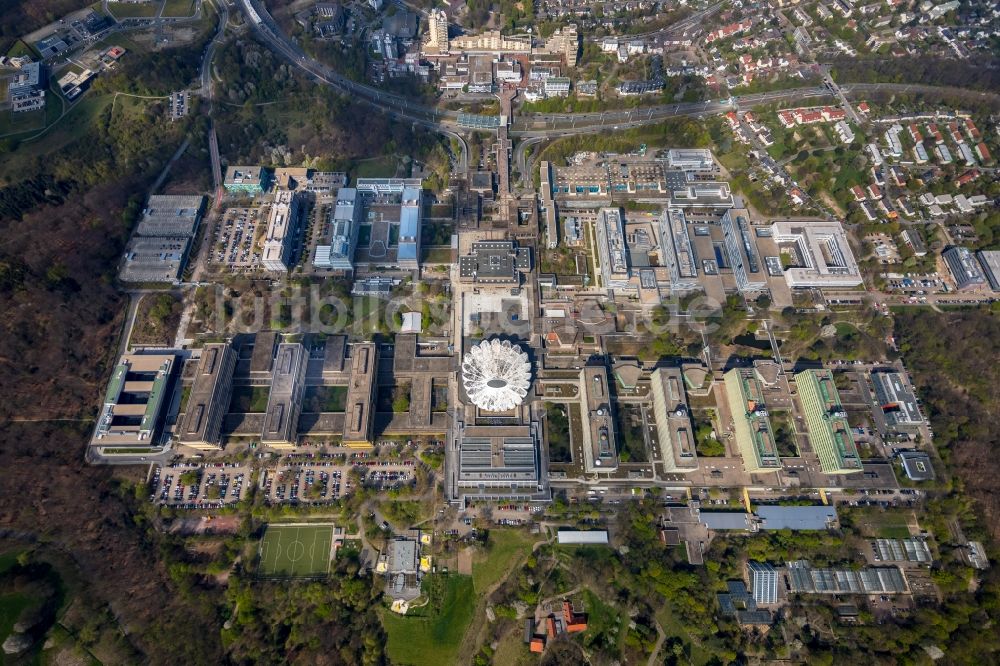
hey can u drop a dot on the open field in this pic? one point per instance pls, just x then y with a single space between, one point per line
295 550
74 124
134 10
433 636
506 547
179 8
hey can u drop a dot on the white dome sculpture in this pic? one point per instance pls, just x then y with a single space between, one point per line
496 375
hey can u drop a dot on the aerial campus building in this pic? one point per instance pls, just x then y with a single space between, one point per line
345 225
818 252
611 248
600 449
134 401
494 262
754 436
673 421
742 251
247 180
690 159
896 398
282 231
804 579
763 582
676 251
829 432
284 403
159 247
208 401
496 375
500 463
964 268
359 420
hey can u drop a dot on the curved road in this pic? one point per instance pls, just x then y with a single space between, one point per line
541 125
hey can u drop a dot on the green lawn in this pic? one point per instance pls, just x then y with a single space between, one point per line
71 127
134 10
179 8
434 634
324 399
295 550
376 167
505 548
249 399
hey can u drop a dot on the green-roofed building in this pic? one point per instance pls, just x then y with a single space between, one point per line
134 401
754 436
829 432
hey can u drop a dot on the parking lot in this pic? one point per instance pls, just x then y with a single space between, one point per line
319 482
215 486
234 239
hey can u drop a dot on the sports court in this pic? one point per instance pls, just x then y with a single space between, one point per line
295 550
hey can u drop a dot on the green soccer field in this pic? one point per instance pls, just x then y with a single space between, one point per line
295 550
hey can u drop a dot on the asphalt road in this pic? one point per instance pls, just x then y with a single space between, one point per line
538 125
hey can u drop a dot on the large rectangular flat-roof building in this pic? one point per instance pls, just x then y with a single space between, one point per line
754 436
134 401
494 262
171 215
779 517
284 403
742 251
829 432
990 262
818 252
896 398
964 268
599 441
155 259
345 225
690 159
803 579
282 230
361 395
673 421
676 251
611 248
250 180
410 215
208 401
499 462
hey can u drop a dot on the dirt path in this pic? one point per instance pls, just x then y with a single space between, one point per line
479 626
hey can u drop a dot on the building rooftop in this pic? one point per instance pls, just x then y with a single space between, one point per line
753 428
171 215
796 517
134 400
817 254
494 262
155 259
917 465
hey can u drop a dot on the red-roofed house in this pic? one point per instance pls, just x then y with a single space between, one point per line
864 108
538 644
574 621
832 114
859 194
983 153
972 130
968 177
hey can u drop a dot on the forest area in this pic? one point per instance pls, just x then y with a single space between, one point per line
952 357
